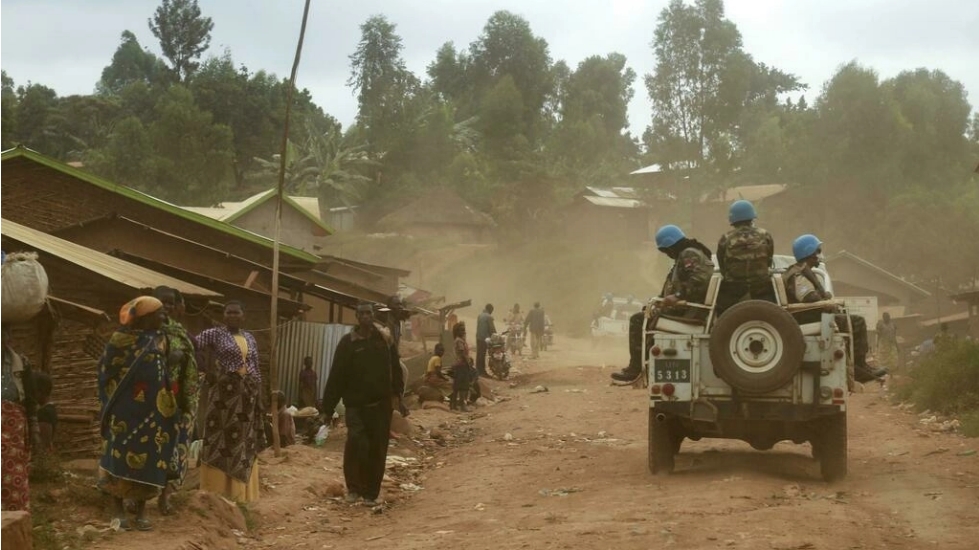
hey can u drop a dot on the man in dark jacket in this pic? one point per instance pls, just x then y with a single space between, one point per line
367 375
687 282
535 323
484 329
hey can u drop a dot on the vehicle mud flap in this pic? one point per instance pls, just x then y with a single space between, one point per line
704 415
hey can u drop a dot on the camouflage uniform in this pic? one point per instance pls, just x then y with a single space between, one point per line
744 255
688 280
802 285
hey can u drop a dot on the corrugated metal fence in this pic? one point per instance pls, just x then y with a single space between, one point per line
296 341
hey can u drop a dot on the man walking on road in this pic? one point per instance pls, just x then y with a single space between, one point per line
535 323
484 329
366 374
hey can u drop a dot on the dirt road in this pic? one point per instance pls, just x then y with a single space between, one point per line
572 474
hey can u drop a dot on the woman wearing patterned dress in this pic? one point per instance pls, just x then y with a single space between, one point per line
233 418
139 410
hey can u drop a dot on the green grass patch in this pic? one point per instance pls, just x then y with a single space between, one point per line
947 382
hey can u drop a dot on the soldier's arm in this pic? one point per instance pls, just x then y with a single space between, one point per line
721 252
695 274
771 248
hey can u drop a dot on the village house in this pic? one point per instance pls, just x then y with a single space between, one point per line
440 214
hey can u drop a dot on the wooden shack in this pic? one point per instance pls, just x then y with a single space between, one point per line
67 339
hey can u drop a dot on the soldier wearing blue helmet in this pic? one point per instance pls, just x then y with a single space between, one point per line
744 255
687 281
802 285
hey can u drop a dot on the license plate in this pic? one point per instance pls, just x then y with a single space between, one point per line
671 370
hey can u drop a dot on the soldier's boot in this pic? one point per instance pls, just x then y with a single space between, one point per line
630 372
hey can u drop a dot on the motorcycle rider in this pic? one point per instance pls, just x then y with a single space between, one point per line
687 281
802 285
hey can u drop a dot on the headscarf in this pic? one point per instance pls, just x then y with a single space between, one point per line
144 305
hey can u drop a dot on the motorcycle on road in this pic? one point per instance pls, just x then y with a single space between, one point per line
497 358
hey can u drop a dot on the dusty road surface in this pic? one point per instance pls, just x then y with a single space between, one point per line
566 468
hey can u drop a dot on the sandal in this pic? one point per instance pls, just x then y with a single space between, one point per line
164 505
143 524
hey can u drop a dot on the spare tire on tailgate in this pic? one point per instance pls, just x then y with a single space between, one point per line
756 346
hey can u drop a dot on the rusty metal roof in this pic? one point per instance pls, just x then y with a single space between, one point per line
118 270
614 202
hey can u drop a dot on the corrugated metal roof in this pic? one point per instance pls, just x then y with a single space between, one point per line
745 192
614 202
651 169
843 254
121 271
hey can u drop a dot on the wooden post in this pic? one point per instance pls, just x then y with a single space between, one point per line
274 336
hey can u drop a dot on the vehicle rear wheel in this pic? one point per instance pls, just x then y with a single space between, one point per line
663 445
756 347
831 450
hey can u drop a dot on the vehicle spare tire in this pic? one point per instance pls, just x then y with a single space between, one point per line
756 346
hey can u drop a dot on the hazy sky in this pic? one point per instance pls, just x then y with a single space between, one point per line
65 44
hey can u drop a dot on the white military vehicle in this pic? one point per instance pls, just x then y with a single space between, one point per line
753 374
614 322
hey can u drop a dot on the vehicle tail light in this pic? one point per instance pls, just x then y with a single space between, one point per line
655 351
669 390
838 354
838 392
654 389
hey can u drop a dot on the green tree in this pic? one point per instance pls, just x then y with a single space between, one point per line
590 143
8 106
184 34
936 111
193 154
701 87
384 85
130 63
36 119
508 48
127 157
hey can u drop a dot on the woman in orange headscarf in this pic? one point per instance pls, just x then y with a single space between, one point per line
139 410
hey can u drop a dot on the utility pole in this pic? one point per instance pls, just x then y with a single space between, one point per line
280 190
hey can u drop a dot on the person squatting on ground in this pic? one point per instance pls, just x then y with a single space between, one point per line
233 424
20 432
802 285
485 327
744 256
463 372
366 374
535 323
139 410
687 280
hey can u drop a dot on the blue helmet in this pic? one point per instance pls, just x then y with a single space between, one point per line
668 235
741 211
805 246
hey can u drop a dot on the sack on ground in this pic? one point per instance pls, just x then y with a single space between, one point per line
25 287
